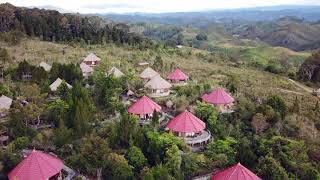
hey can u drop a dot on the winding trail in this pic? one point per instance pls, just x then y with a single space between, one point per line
301 86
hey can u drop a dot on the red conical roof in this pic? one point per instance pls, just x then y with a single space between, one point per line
218 96
177 75
186 122
37 166
144 106
236 172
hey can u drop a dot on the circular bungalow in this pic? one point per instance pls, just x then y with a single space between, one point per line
190 128
219 98
178 78
158 87
236 172
37 166
144 108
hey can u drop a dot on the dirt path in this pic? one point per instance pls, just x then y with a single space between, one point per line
301 86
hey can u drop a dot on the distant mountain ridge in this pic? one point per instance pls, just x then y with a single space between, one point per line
294 27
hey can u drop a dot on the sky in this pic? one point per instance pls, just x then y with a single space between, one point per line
153 6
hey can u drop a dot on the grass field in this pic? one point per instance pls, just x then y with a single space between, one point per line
258 82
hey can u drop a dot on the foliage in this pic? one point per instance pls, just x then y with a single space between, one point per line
269 168
53 26
278 104
222 151
4 56
92 150
117 167
136 158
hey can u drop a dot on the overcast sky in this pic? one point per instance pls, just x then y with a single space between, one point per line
154 6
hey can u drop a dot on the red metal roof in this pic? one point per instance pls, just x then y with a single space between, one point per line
186 122
177 75
218 96
37 166
236 172
144 106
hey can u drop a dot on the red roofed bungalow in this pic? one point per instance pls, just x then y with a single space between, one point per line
219 98
37 166
191 128
236 172
144 108
177 77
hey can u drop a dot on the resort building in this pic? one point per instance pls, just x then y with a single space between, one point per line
158 87
37 166
86 70
5 104
147 74
191 129
55 85
92 60
235 172
178 78
45 66
115 72
221 99
144 108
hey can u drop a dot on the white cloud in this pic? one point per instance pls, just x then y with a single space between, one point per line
120 6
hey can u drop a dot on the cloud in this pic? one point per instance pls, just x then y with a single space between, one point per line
120 6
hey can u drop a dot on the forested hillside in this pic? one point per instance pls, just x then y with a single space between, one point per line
52 26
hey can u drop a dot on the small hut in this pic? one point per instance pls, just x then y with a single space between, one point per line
54 86
92 60
86 70
144 108
236 172
5 102
37 166
219 98
148 73
178 78
189 127
158 87
115 72
45 66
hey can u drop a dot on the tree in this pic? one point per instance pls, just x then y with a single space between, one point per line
17 126
36 103
63 91
4 56
278 104
57 111
158 63
173 160
202 37
117 167
269 168
233 84
222 148
62 135
204 110
158 144
126 129
158 172
91 155
136 158
155 119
